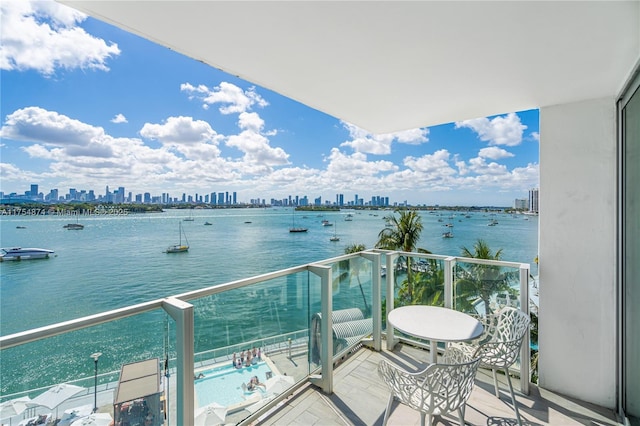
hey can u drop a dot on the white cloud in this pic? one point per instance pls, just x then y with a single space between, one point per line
494 153
259 156
44 36
10 172
365 142
119 118
503 130
356 164
479 166
231 97
180 131
34 124
535 136
250 121
439 160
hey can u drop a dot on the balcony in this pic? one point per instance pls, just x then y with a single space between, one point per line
294 316
360 398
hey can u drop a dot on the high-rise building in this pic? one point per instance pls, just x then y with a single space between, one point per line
533 200
521 204
121 195
235 198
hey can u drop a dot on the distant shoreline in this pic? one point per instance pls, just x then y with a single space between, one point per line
99 209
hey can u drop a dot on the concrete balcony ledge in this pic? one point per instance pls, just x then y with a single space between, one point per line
360 398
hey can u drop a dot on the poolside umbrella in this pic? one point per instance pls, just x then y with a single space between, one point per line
97 419
279 384
13 407
56 395
209 415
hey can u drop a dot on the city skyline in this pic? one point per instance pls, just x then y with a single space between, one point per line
91 104
121 196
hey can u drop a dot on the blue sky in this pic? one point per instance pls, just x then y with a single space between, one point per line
85 105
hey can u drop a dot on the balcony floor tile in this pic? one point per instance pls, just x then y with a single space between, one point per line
360 398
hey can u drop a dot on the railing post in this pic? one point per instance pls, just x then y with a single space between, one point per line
376 299
326 328
391 273
182 313
449 264
525 350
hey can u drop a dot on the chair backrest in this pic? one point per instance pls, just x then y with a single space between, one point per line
440 388
502 350
512 325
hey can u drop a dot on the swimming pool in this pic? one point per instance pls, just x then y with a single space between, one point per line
224 384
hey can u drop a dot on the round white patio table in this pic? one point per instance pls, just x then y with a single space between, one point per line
435 324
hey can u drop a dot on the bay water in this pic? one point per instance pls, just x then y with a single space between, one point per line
118 260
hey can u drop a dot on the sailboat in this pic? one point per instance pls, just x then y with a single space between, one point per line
335 237
179 248
190 218
293 227
74 226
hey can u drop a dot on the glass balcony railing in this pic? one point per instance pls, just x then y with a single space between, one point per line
240 347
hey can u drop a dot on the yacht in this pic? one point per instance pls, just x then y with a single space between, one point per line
73 226
18 253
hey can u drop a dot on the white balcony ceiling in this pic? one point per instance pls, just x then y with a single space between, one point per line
388 66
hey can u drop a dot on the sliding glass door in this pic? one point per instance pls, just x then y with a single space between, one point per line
629 302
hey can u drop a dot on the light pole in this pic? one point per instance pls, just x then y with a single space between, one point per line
95 357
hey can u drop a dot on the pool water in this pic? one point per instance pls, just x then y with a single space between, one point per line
224 384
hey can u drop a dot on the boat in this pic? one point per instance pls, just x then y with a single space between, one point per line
348 218
208 223
447 234
335 236
18 253
190 218
298 229
493 223
73 226
294 228
326 223
21 227
179 248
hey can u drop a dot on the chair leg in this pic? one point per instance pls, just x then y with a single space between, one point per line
423 416
495 382
461 416
513 398
387 412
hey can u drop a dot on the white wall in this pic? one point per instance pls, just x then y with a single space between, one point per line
577 320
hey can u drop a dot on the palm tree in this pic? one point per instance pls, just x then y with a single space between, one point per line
403 234
351 269
480 280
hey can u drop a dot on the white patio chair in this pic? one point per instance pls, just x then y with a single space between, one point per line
438 389
500 346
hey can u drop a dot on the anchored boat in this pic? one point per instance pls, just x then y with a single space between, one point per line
179 248
18 253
